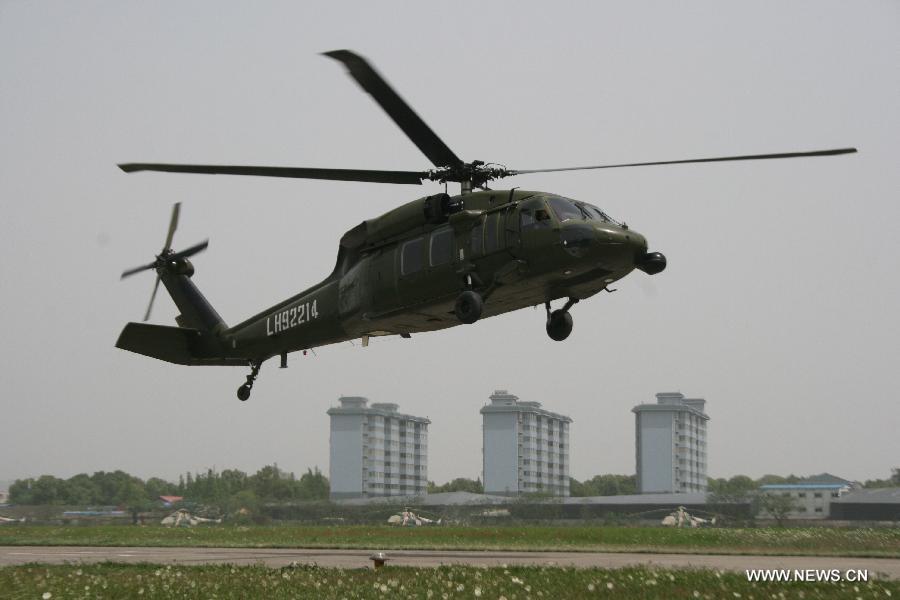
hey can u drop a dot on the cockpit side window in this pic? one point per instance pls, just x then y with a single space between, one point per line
526 219
565 209
533 214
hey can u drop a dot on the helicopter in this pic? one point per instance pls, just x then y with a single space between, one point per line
435 262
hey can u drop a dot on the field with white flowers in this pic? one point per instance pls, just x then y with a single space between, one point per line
826 541
510 583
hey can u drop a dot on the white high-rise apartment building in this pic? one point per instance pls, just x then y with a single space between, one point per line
671 444
526 448
376 451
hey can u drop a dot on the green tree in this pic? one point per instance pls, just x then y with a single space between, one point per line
48 489
243 501
313 485
271 484
133 497
738 489
606 485
233 481
576 488
113 486
20 491
460 484
82 491
156 487
775 505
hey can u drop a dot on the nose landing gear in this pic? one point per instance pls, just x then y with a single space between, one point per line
559 322
243 392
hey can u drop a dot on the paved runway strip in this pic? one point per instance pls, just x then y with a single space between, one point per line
273 557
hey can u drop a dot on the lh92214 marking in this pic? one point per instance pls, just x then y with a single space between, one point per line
292 317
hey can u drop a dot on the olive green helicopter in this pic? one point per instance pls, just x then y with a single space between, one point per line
432 263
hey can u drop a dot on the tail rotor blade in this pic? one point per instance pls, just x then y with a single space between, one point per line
152 298
131 272
192 250
173 225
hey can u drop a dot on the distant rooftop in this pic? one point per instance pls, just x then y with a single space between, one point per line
674 401
358 405
502 401
871 496
803 486
827 478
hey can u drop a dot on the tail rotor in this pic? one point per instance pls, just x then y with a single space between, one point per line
169 260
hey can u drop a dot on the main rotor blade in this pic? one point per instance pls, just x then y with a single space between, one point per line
152 298
131 272
190 251
173 225
404 177
696 160
403 115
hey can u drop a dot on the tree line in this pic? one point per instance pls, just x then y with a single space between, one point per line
233 488
228 489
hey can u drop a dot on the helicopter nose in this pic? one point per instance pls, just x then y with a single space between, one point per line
636 241
627 238
648 262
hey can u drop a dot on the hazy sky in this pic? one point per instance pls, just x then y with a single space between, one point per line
779 305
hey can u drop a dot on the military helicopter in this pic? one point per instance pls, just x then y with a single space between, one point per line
432 263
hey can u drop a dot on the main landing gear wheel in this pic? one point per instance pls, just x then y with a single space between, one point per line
468 307
559 322
243 392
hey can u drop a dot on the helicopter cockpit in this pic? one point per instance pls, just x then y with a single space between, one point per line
566 209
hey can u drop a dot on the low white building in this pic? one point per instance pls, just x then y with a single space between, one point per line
376 451
811 497
526 448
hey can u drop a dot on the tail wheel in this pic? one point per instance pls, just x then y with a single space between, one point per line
559 325
469 306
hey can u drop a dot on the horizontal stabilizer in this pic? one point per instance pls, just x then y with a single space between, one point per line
179 345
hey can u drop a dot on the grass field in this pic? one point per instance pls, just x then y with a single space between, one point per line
513 583
881 542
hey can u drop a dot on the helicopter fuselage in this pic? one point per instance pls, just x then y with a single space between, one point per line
401 273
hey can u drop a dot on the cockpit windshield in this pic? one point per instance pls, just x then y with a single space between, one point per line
597 214
566 210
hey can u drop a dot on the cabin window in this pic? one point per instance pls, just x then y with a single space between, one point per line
490 233
412 257
565 210
441 251
478 238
